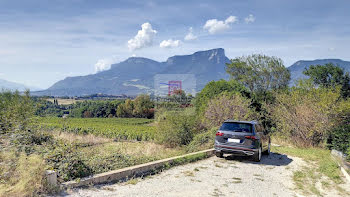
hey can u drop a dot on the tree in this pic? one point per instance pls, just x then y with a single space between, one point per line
142 106
214 88
329 76
259 72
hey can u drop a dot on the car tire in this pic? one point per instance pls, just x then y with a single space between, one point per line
219 154
257 155
267 152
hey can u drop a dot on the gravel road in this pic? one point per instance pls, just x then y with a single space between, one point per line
230 176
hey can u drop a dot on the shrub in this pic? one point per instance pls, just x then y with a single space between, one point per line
176 128
228 106
339 138
66 160
304 114
213 89
15 111
348 155
21 175
202 140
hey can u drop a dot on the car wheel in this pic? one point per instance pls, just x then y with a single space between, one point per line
219 154
267 152
257 155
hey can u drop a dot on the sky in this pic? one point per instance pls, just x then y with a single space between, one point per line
42 42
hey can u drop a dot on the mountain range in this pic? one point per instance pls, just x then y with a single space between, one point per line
8 85
137 74
296 70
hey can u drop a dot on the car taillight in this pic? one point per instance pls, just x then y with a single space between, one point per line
219 134
252 137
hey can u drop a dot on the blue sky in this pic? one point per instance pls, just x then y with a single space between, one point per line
42 41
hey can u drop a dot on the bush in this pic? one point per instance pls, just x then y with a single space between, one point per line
175 129
348 155
213 89
228 106
21 175
304 114
28 141
202 141
66 160
339 138
15 111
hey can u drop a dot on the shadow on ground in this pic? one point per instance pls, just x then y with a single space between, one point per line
274 159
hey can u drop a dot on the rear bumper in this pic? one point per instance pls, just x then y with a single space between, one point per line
235 150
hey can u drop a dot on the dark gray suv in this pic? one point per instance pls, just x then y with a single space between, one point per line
242 138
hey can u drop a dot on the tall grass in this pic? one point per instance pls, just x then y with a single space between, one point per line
21 175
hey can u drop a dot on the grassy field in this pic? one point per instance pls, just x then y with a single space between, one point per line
115 128
64 101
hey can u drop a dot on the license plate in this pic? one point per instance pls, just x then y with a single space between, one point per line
233 140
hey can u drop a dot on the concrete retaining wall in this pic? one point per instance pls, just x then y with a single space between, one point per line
130 172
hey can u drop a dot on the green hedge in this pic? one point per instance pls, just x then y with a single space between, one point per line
339 138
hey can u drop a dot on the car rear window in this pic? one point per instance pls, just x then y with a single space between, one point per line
237 127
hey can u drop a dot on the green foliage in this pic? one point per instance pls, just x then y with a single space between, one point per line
47 108
259 72
348 154
27 141
304 114
67 161
202 140
176 128
339 138
15 111
141 107
213 89
327 75
83 109
96 109
228 106
116 128
330 76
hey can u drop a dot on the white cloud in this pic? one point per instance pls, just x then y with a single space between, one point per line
169 43
249 19
190 35
331 49
104 64
144 37
214 26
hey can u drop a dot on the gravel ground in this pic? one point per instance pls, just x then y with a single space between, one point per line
230 176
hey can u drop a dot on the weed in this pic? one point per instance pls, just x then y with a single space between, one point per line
188 173
132 181
237 181
218 165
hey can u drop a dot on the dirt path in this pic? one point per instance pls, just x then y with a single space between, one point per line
211 177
